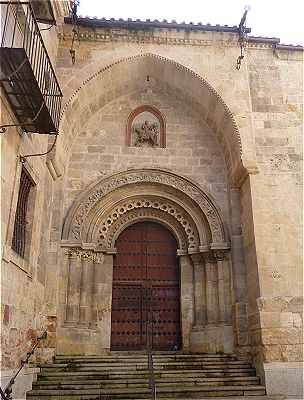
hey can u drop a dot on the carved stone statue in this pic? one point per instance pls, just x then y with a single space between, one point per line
146 133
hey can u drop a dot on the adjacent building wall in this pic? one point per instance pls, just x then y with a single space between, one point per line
24 313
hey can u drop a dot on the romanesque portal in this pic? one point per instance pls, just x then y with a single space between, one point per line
145 255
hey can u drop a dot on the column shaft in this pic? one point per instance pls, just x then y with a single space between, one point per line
86 293
187 299
200 316
73 298
221 291
212 293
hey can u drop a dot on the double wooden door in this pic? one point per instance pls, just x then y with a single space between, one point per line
146 290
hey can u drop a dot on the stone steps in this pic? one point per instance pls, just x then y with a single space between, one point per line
140 356
167 391
139 367
145 375
113 380
180 374
115 383
126 376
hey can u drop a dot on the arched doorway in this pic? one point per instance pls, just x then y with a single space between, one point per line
146 289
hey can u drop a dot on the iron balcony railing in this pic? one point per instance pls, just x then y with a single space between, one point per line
27 75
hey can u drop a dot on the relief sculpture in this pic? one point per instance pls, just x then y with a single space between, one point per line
146 134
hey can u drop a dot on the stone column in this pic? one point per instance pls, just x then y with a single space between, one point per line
86 292
63 286
200 317
224 289
74 281
97 289
227 272
212 294
102 299
187 299
238 270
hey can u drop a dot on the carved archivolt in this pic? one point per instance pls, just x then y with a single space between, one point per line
80 211
135 208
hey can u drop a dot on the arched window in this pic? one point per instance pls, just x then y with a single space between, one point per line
146 128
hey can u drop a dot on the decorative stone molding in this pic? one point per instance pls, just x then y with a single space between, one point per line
125 36
90 198
135 208
154 215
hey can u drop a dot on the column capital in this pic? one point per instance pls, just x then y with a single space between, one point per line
220 254
215 255
209 257
197 258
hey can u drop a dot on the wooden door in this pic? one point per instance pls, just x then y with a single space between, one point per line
146 290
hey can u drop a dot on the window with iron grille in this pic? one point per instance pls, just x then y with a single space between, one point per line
21 233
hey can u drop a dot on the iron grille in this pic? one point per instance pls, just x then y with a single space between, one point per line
20 231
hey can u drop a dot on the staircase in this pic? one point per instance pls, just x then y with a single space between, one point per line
126 376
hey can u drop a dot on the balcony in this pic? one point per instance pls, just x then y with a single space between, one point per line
43 11
26 73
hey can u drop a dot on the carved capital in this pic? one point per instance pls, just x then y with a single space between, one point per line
220 255
197 259
85 255
215 255
209 257
99 258
73 252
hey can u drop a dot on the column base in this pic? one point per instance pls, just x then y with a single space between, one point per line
212 339
81 341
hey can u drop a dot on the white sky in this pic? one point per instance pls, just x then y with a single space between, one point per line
271 18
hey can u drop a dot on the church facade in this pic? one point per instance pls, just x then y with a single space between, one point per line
169 211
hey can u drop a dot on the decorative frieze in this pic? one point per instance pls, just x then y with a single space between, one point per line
128 37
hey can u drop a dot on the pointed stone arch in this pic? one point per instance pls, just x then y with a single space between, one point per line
117 78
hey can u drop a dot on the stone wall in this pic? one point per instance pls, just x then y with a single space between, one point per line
24 312
191 150
276 202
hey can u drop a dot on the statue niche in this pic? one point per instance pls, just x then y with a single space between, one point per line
145 128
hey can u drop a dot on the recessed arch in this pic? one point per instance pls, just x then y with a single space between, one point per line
170 197
143 216
117 79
